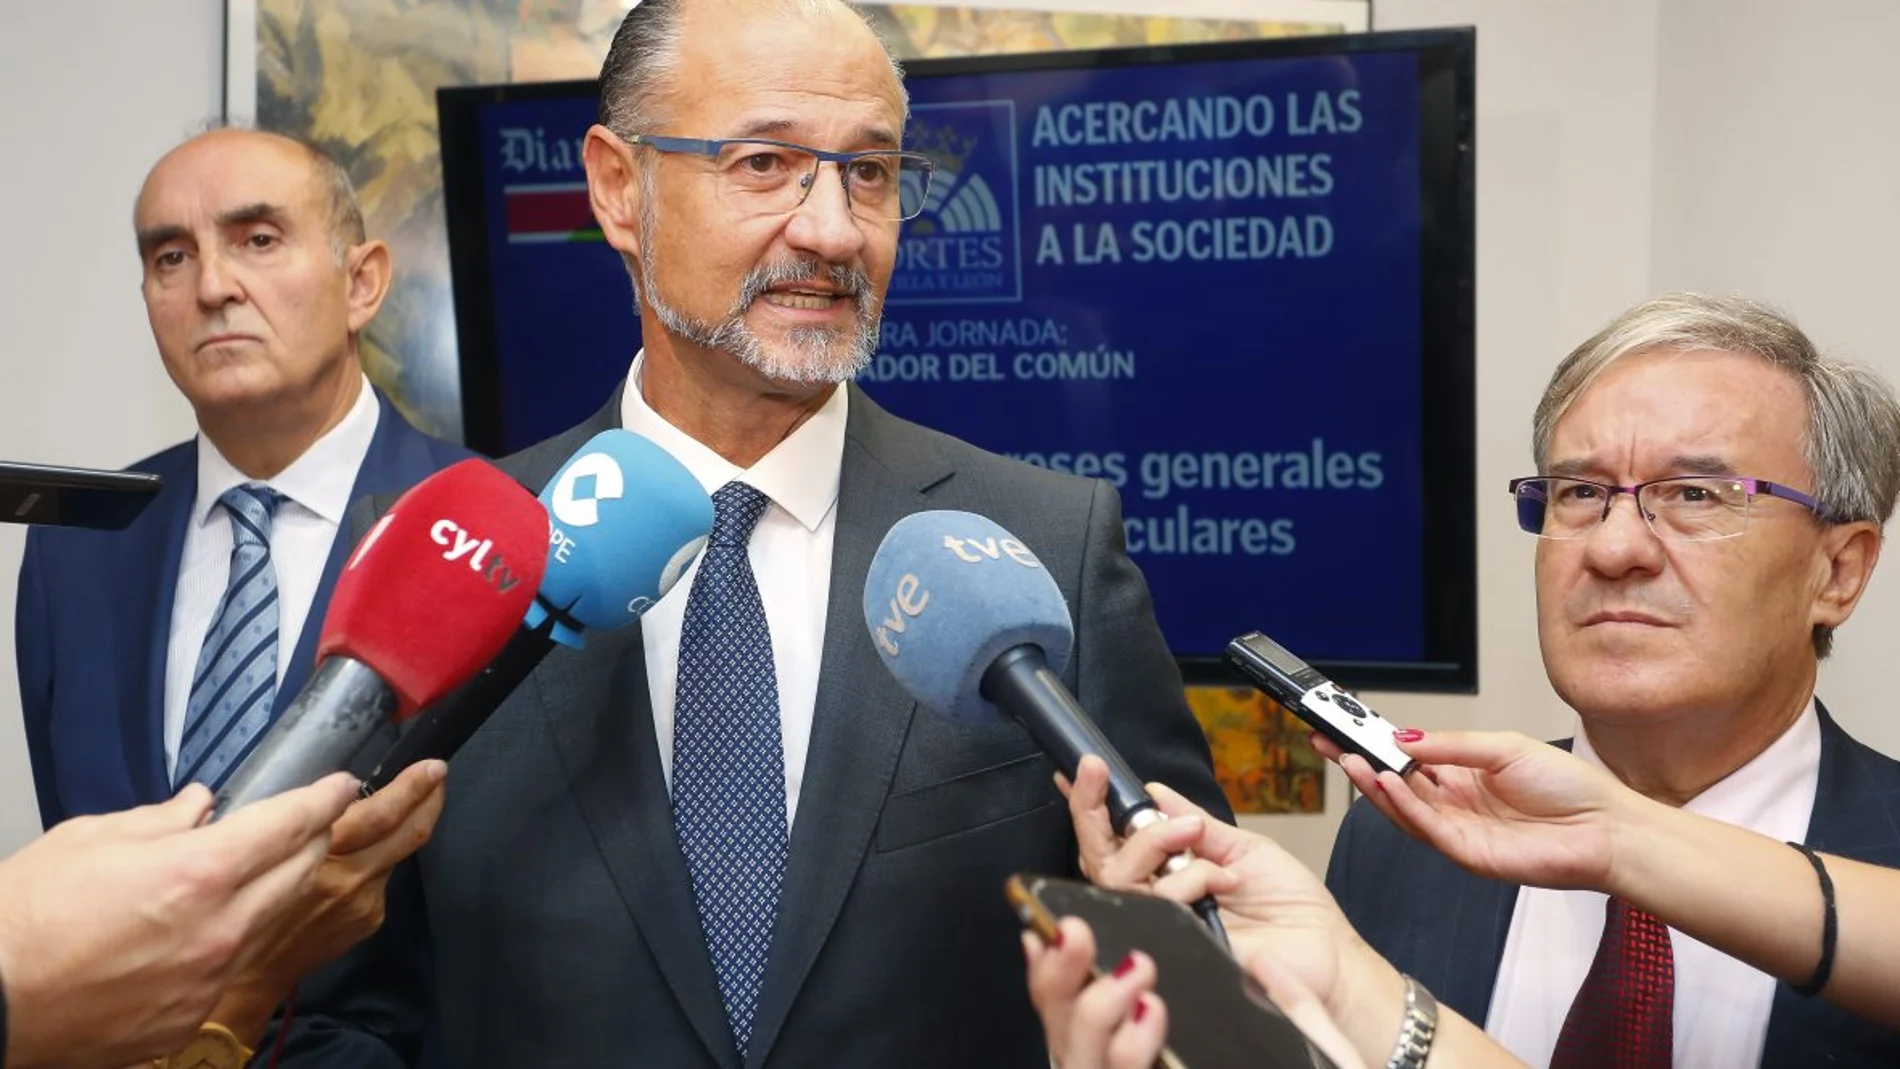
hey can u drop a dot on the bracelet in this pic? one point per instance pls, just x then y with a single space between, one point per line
1417 1030
1830 927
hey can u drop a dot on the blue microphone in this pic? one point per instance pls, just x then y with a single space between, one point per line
627 520
973 627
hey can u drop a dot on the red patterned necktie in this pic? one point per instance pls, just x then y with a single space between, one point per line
1624 1015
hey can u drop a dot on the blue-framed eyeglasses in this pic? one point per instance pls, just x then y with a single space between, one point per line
1685 508
759 176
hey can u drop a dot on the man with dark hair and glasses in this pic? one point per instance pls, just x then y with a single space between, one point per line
1709 508
726 837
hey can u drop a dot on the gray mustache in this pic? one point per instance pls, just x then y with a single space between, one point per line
853 282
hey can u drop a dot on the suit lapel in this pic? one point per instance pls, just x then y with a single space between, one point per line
398 456
602 720
860 719
148 572
1480 917
1850 821
601 716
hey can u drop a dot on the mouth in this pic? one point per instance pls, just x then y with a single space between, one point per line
1625 617
224 339
807 298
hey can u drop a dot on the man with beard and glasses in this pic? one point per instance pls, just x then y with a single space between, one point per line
726 837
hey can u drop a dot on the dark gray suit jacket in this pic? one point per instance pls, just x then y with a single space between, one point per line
559 907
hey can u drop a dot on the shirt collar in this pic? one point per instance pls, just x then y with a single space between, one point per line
320 480
800 474
1746 796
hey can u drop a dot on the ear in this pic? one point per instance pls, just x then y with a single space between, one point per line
1850 551
369 282
613 188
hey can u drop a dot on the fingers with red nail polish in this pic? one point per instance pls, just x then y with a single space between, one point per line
1408 735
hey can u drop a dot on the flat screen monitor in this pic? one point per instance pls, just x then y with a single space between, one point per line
1235 280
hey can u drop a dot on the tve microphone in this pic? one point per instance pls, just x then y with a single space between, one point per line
971 624
628 521
1319 701
430 595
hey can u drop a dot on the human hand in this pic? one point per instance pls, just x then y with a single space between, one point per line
1272 905
1114 1022
119 932
1502 805
343 904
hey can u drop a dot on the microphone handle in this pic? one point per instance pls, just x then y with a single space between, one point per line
341 706
1020 682
441 729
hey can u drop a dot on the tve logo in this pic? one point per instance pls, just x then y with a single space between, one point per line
966 245
908 602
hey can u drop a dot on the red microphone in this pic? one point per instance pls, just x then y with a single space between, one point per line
431 595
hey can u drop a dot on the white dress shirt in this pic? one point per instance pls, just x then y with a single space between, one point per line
790 553
1721 1005
316 488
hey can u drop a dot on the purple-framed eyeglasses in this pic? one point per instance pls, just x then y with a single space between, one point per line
1685 508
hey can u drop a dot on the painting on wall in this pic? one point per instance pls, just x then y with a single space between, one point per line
1261 754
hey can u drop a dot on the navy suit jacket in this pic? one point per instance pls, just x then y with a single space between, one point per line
92 628
1447 928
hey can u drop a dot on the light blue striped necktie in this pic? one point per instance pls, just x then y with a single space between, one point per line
236 681
728 761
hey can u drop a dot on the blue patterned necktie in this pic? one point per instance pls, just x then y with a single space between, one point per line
236 681
728 763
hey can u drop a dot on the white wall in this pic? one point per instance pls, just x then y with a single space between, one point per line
1776 157
91 93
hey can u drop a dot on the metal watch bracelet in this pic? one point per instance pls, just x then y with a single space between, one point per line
1417 1030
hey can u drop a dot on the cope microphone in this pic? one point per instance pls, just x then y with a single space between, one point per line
972 626
628 521
431 593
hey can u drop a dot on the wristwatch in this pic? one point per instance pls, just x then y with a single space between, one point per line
214 1047
1417 1030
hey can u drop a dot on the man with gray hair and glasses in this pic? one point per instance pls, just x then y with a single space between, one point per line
1709 507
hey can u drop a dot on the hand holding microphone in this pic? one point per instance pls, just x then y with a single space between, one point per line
628 520
967 619
429 596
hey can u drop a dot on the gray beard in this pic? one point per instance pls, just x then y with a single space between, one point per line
810 356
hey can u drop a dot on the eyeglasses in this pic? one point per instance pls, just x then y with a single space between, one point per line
1683 508
758 176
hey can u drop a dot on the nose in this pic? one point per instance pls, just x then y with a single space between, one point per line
824 225
1623 544
217 283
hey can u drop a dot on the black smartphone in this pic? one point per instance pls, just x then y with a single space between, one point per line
1219 1017
1319 701
74 497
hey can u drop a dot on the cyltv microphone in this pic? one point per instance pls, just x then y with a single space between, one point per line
430 594
971 624
628 521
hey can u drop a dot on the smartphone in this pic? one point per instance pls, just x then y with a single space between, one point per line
1319 701
74 497
1219 1017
